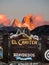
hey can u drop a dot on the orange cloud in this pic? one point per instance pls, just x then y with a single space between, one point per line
4 20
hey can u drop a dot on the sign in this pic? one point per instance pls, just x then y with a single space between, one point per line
23 47
23 39
24 56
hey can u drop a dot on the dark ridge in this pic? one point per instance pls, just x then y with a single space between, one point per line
11 29
42 30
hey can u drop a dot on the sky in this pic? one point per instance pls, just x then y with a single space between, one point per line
20 8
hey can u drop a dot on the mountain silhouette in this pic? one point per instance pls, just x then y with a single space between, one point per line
41 30
9 29
18 30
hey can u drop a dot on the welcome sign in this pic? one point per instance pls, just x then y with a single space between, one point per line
23 39
23 47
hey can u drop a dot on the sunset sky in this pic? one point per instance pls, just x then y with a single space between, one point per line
20 8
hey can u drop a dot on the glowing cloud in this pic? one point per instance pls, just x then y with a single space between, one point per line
4 20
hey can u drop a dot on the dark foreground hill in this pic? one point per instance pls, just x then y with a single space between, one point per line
18 30
42 30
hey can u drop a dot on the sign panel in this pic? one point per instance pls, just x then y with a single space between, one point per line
23 47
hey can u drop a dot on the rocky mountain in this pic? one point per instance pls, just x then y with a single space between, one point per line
16 23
